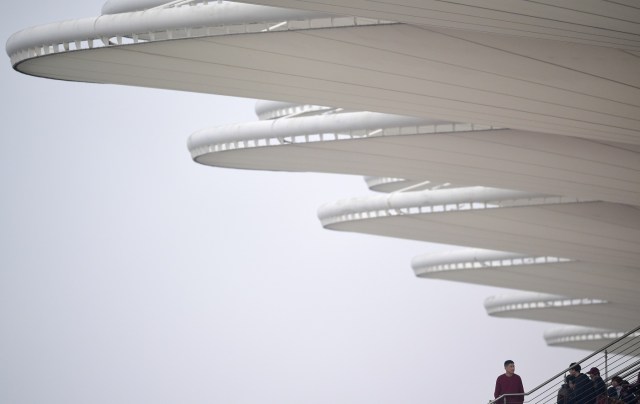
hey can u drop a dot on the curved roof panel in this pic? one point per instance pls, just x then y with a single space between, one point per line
611 24
588 338
559 309
596 232
506 81
540 103
373 144
542 274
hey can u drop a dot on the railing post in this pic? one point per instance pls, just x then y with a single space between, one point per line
606 364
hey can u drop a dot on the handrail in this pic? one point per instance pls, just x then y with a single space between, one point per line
551 379
505 396
629 370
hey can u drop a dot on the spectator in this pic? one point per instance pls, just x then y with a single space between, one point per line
599 387
565 395
583 392
509 383
614 392
626 393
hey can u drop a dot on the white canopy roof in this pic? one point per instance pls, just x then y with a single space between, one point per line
539 103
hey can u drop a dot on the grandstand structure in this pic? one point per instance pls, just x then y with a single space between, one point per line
508 130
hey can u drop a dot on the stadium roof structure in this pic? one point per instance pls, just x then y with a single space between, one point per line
509 128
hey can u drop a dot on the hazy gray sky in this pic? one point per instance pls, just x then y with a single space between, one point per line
130 274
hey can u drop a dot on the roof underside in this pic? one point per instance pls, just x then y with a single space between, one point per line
499 158
564 78
596 232
599 281
610 24
504 81
606 315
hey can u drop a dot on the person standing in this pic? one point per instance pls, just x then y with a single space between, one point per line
509 383
599 387
615 391
583 393
565 394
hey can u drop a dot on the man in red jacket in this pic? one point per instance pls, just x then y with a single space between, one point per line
509 383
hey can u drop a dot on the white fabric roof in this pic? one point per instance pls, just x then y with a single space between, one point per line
563 78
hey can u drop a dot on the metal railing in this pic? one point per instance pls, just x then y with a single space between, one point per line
618 358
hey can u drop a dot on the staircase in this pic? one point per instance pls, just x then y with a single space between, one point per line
618 358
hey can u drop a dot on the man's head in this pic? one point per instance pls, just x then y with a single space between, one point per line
509 367
574 369
593 372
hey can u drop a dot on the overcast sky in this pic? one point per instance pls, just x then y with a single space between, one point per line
131 274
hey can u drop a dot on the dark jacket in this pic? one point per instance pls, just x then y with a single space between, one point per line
564 394
599 387
583 392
